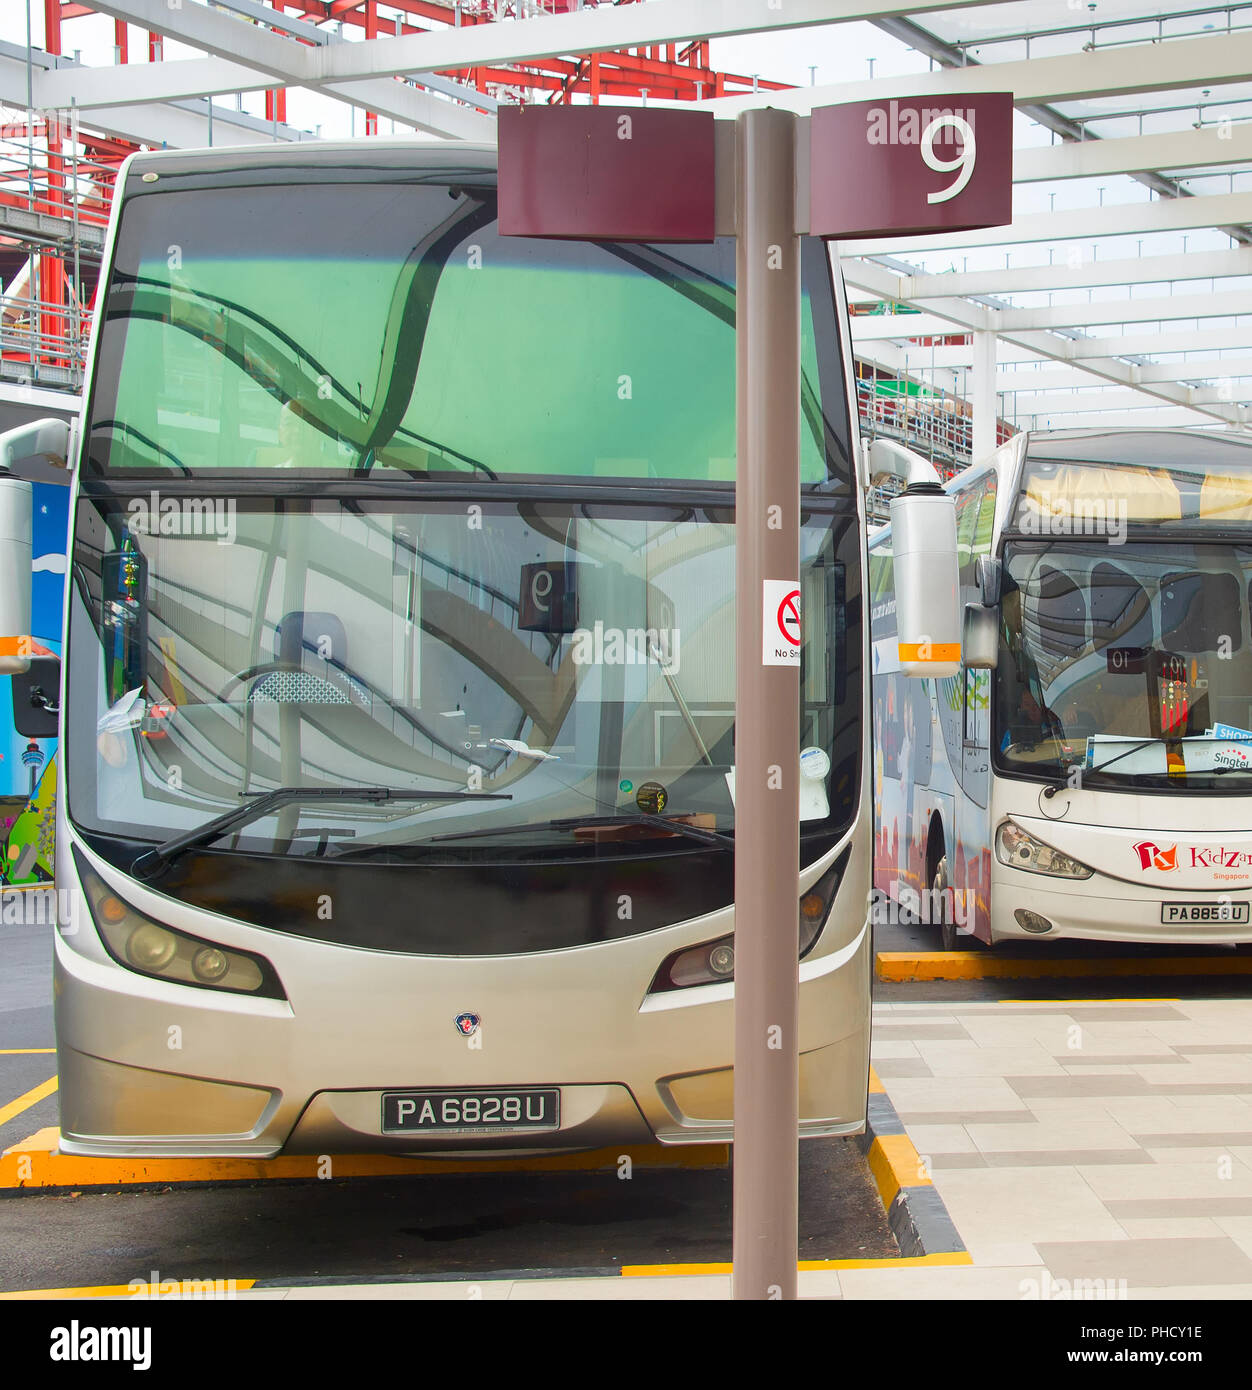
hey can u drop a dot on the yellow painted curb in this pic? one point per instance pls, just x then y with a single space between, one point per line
876 1088
174 1288
36 1163
903 966
895 1163
960 1257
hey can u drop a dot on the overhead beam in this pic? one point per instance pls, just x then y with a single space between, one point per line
1118 419
974 316
608 27
181 125
1233 338
1043 378
1208 61
1116 219
1101 402
94 89
1198 369
1076 350
1158 309
1195 265
1133 154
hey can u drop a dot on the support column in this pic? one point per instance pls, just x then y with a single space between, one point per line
767 712
984 392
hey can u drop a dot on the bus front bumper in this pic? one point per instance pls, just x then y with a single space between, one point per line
1105 909
147 1069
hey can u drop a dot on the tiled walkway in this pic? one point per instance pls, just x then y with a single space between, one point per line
1105 1142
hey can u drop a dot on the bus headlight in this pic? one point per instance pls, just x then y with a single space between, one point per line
152 948
713 961
1020 850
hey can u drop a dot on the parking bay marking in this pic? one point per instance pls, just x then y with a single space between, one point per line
32 1097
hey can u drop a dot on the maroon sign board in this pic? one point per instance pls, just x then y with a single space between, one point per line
601 173
910 165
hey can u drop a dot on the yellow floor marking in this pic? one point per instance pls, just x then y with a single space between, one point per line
1120 999
194 1288
958 1257
36 1163
23 1051
32 1097
985 965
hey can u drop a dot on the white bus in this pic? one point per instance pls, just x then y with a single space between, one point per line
398 718
1088 773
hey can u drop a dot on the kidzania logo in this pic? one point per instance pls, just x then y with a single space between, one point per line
1154 857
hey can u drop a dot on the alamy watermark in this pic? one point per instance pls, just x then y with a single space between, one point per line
1104 517
155 515
908 907
631 646
939 125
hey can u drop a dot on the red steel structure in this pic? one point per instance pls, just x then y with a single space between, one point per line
54 312
45 323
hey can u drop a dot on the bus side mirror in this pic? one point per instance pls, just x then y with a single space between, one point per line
990 580
36 698
40 442
980 638
923 545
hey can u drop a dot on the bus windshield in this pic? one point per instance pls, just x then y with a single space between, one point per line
1131 662
578 657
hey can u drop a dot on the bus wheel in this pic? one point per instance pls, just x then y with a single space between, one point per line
941 896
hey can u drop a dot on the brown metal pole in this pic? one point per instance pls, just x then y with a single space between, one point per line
767 712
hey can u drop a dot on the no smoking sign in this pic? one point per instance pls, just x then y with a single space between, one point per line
780 622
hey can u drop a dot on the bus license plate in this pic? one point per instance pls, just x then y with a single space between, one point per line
1172 913
479 1112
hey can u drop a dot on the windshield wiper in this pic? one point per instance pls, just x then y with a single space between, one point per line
1050 792
670 825
152 861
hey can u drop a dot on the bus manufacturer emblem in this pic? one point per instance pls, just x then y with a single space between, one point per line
467 1024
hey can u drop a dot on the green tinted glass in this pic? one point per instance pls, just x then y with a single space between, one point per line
388 328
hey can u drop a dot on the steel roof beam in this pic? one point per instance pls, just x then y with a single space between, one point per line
1134 154
1077 350
546 36
183 124
1043 378
1195 265
1117 219
1101 399
1159 309
94 89
1211 61
974 316
1120 419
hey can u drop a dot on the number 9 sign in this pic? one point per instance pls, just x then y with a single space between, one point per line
911 166
964 161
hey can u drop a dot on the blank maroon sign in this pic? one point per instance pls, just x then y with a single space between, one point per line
605 173
911 165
